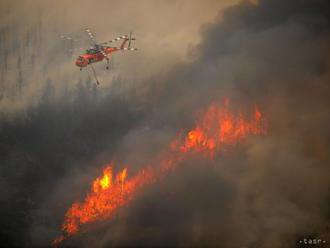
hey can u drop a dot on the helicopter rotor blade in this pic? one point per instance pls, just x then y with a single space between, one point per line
91 36
64 37
127 48
115 39
103 53
130 39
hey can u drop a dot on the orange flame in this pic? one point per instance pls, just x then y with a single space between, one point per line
105 197
217 127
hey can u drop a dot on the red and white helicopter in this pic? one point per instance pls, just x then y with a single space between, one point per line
100 51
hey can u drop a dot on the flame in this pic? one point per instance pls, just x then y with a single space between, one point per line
218 127
105 197
214 129
103 182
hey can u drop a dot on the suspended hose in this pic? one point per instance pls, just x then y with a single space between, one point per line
94 73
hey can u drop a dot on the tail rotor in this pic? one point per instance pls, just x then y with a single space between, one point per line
130 39
129 48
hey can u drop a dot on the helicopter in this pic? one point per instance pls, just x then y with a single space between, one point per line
100 51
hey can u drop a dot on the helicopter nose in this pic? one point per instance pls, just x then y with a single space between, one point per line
78 63
81 63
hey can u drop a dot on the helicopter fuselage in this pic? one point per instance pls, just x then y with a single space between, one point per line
92 56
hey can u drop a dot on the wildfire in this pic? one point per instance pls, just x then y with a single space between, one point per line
214 129
218 127
107 194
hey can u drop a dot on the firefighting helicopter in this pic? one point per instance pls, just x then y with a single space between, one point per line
100 51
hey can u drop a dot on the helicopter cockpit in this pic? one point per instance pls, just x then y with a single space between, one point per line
92 51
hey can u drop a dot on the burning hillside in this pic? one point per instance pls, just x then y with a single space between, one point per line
215 130
176 179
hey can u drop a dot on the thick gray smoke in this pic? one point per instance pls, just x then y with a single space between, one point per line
272 192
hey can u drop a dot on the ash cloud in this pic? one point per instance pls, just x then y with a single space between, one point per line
271 192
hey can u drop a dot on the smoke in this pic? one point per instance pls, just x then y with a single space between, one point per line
30 31
275 191
271 192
